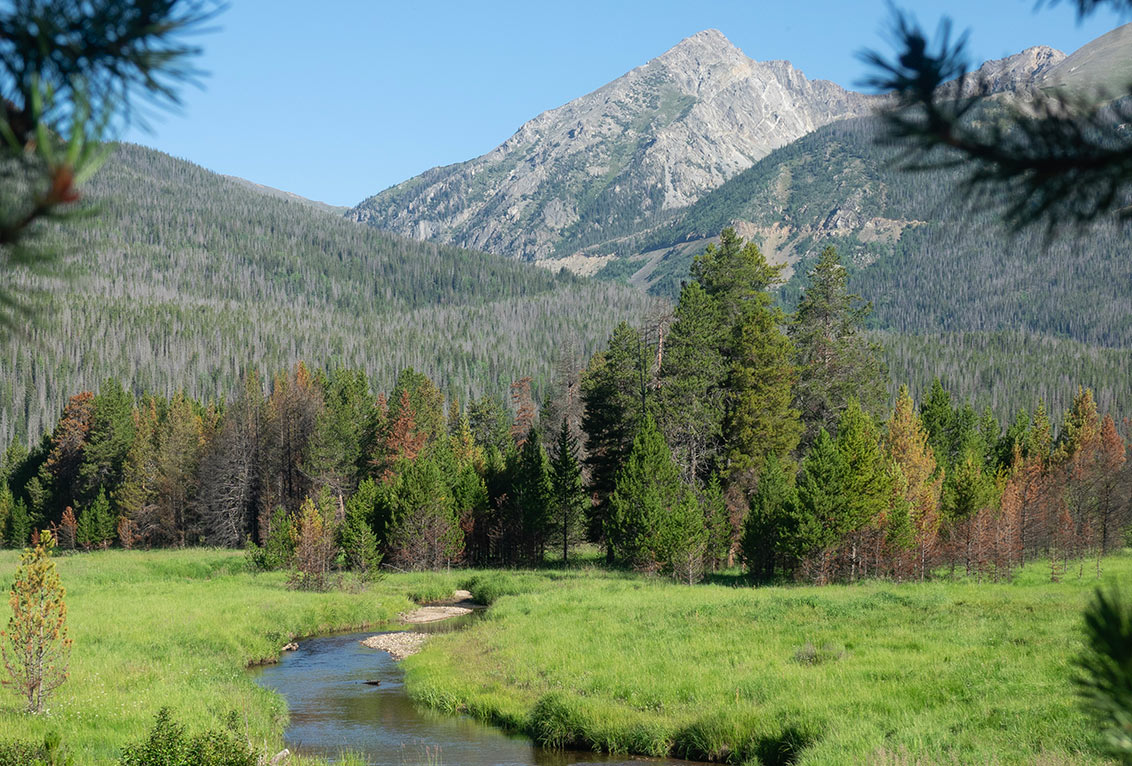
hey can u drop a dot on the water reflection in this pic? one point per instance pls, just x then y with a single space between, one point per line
333 709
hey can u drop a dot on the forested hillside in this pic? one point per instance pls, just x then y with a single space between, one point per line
184 278
1004 316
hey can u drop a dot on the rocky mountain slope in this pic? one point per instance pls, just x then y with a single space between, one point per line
618 159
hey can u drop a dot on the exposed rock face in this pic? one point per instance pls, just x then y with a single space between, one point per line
1014 73
613 161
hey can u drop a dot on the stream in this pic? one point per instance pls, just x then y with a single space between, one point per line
333 710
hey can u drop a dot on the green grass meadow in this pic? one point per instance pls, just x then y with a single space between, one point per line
933 673
900 674
179 629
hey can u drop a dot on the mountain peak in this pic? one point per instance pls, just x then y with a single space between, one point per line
703 48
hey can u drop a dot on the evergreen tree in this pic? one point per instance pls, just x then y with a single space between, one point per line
488 422
425 399
19 525
423 531
534 496
647 493
336 449
613 392
7 504
570 500
681 540
939 420
918 481
868 479
111 435
137 493
836 361
717 521
758 417
690 390
768 530
821 517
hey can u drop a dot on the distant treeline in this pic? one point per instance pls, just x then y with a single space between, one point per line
727 431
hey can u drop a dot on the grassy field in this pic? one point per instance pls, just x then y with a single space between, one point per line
179 628
936 673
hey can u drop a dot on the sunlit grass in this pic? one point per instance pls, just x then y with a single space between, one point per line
178 629
908 673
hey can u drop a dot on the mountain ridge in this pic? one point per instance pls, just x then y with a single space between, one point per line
652 140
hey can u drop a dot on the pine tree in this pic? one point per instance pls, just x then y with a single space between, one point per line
103 521
7 503
761 373
35 647
836 361
172 517
1081 427
681 540
84 528
534 496
64 461
821 518
290 416
426 400
647 492
717 521
570 499
137 493
690 388
403 440
423 531
19 525
108 443
488 421
525 411
868 485
768 531
339 431
867 482
613 392
906 444
939 421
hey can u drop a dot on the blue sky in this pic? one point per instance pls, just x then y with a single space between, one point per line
339 99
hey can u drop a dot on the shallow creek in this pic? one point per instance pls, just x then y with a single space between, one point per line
333 709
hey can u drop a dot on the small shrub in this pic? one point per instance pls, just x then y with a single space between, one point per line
21 753
169 745
808 654
278 544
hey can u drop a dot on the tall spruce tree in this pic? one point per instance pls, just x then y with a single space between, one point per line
534 495
821 516
758 417
570 500
690 392
836 361
613 393
868 480
768 530
111 435
646 494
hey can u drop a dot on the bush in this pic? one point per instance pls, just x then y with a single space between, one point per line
168 745
278 547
